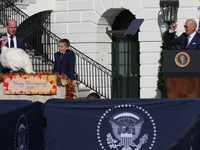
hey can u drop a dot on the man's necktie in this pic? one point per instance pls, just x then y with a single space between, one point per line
61 55
188 41
11 42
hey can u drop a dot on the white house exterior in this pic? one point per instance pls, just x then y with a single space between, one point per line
84 23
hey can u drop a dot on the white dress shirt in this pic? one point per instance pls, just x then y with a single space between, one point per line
190 37
14 40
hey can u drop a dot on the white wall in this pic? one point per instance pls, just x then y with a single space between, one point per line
36 6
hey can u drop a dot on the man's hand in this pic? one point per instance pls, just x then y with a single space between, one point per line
174 26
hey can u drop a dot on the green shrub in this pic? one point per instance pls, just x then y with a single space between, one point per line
161 83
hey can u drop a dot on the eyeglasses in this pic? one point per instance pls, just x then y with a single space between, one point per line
186 27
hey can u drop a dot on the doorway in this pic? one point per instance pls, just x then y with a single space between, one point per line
122 48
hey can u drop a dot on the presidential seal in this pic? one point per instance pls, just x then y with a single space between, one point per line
21 141
129 129
182 59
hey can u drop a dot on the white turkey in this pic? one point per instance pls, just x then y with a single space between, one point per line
15 59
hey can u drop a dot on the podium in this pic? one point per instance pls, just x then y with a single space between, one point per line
182 72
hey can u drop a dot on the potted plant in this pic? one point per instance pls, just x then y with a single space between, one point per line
161 83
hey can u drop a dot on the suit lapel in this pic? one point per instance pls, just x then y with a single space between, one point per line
18 43
193 40
64 55
58 58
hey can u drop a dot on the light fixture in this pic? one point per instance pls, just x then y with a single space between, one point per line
169 9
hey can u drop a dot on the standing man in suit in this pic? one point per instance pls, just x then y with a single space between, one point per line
189 40
13 40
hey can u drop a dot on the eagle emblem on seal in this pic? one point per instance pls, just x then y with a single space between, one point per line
126 128
182 59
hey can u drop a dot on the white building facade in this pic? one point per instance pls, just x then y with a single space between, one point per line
85 22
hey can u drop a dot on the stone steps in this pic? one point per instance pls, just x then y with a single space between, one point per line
83 91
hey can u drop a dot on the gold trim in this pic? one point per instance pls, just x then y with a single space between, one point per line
176 60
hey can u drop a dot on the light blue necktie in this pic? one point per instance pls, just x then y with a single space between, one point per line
188 41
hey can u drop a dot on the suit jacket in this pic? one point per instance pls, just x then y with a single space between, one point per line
20 44
182 41
67 65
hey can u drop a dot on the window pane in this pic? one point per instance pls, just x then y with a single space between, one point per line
121 46
121 58
122 71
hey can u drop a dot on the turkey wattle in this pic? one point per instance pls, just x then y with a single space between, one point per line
15 59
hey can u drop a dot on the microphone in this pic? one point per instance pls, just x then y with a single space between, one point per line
186 41
180 43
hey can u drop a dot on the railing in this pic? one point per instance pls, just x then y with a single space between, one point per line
41 44
17 1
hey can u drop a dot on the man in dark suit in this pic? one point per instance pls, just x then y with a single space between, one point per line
64 59
189 40
13 40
